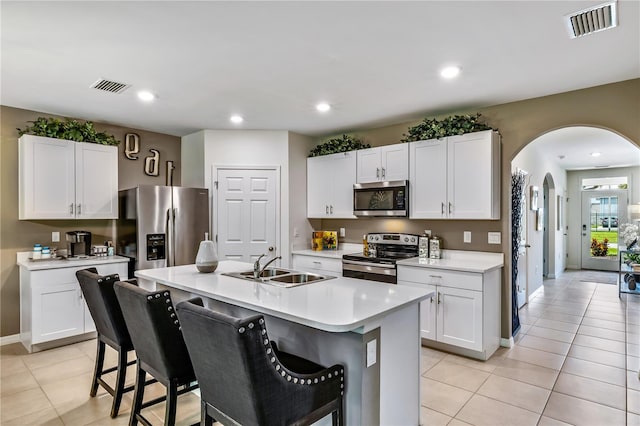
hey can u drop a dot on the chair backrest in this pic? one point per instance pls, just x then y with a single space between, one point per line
103 305
155 331
232 359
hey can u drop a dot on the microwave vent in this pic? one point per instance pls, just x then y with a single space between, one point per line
592 20
109 86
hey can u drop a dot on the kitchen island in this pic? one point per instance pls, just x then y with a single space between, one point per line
371 328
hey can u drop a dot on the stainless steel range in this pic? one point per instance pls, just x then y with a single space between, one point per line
384 250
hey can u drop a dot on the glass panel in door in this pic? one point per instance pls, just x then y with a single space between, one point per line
602 211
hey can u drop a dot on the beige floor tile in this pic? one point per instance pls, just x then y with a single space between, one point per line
11 366
633 401
430 417
534 356
481 410
22 404
592 370
63 370
529 397
527 373
52 356
473 363
88 347
121 420
597 355
458 375
456 422
582 412
92 410
557 325
556 316
442 397
548 333
524 328
564 310
605 316
591 390
543 344
602 333
599 343
12 350
19 382
606 308
69 393
548 421
187 411
429 358
46 417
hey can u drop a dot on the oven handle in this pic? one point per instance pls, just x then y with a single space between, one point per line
360 262
364 267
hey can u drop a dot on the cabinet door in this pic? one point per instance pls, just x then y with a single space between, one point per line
369 165
319 181
343 172
428 172
96 181
472 184
58 311
47 178
459 319
395 162
428 310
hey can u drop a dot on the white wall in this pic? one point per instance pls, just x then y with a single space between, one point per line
300 228
538 164
574 209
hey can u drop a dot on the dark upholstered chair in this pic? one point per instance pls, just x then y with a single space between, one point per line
245 380
106 313
157 339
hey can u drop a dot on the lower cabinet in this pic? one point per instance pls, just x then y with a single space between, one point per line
52 306
317 264
464 314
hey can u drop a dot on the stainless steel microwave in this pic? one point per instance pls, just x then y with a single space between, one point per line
389 199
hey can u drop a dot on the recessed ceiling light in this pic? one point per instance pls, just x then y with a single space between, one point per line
450 72
236 119
595 154
145 95
323 107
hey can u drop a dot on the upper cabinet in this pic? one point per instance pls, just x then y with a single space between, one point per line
330 180
385 163
61 179
457 177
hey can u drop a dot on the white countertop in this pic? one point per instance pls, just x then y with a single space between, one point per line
346 248
335 305
35 265
458 260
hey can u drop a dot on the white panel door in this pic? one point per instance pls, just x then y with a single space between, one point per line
96 181
369 165
460 317
395 162
246 213
427 179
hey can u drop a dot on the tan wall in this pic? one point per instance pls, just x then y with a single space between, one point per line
614 106
16 235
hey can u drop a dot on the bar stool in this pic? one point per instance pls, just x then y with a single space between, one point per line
157 339
245 380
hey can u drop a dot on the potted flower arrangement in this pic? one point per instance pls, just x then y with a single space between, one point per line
629 234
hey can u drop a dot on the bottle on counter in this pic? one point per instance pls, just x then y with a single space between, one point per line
435 247
365 245
37 252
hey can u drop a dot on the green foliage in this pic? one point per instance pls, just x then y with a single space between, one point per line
632 257
342 144
431 128
72 130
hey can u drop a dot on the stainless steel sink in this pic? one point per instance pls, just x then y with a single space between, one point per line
298 278
280 277
269 272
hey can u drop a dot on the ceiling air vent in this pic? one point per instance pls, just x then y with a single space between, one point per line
592 20
109 86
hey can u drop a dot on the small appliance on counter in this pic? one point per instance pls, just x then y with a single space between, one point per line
435 247
423 247
78 244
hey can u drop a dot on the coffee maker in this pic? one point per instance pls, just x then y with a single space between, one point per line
78 243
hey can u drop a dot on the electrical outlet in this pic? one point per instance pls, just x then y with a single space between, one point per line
494 238
343 232
372 349
55 237
467 236
296 232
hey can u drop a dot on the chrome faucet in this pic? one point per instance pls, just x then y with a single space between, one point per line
257 271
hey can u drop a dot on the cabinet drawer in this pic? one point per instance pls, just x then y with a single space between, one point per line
304 263
462 280
68 275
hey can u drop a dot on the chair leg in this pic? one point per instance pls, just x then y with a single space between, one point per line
120 378
205 418
97 371
138 395
339 414
172 401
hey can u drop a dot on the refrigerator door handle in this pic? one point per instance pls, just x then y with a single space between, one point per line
169 243
173 236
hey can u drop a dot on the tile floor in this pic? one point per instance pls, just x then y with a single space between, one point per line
575 361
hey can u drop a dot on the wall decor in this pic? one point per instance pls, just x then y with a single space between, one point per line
71 130
131 146
539 219
533 197
342 144
151 163
432 128
518 237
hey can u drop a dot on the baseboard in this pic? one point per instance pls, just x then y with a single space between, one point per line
506 343
8 340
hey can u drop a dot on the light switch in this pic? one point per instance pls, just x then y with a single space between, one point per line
467 236
494 237
342 232
372 348
55 237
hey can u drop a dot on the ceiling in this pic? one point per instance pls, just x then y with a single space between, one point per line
376 63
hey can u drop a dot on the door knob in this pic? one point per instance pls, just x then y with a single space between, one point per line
271 248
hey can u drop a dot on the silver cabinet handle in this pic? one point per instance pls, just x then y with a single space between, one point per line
438 298
442 208
449 208
377 172
79 209
71 209
436 276
326 209
384 172
316 262
331 209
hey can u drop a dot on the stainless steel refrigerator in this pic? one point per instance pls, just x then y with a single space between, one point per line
161 226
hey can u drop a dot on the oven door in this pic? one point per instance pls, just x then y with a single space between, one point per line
369 271
381 199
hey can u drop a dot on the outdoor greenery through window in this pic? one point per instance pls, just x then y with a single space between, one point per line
604 218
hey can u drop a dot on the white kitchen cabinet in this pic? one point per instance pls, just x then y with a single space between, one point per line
322 265
464 315
457 177
384 163
52 306
61 179
330 180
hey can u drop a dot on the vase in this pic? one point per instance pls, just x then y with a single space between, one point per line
207 258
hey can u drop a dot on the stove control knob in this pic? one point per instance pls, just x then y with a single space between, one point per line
377 238
406 239
413 239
